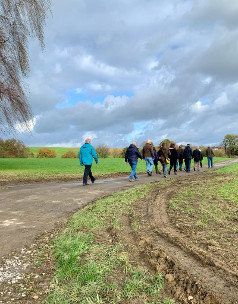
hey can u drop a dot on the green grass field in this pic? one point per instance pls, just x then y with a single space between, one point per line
60 168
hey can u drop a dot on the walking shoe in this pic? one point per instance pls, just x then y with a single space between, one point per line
85 184
131 180
93 180
175 173
180 169
165 176
194 169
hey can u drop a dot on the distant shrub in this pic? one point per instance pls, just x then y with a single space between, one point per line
102 151
69 154
115 152
46 153
123 152
220 152
12 148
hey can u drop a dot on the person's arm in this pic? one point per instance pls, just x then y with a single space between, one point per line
94 155
80 157
126 156
138 154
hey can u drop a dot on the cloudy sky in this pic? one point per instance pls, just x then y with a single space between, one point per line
126 70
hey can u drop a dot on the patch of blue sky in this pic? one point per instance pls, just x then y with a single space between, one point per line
204 100
73 97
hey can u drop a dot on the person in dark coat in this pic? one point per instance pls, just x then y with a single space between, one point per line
197 157
131 156
173 158
180 153
163 155
155 160
187 155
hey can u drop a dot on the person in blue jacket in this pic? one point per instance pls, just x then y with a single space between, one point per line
86 155
131 156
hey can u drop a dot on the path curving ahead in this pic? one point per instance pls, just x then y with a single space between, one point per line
29 210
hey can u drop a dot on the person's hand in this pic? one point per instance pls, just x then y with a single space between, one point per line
126 162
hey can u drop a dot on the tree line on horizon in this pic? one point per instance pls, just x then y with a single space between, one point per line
13 148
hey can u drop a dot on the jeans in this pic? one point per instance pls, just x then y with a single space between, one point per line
149 163
180 164
210 161
133 165
164 169
187 164
87 172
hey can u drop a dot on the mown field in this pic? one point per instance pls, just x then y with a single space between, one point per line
35 169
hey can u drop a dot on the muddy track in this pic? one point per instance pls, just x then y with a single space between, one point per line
193 276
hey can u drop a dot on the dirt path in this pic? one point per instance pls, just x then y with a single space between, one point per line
27 211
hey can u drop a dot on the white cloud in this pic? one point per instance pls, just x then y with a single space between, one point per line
198 107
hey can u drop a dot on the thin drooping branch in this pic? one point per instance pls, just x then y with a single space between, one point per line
19 20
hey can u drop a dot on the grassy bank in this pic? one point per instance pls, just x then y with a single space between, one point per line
205 208
23 169
94 266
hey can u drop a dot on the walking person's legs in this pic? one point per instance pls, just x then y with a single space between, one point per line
208 162
165 170
151 164
87 169
180 164
91 176
211 161
133 170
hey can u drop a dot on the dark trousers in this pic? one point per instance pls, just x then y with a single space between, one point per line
173 164
187 164
87 172
180 163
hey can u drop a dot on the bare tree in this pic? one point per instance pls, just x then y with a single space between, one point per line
19 20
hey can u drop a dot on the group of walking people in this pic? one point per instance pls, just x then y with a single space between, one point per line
172 156
166 156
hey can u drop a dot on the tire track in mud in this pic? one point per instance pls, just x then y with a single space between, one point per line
192 275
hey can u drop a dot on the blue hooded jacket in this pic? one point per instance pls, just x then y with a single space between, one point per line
86 154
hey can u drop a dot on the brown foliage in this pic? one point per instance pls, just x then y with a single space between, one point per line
12 148
18 21
69 154
46 153
102 151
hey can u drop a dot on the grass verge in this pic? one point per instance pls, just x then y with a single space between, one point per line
93 265
206 208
